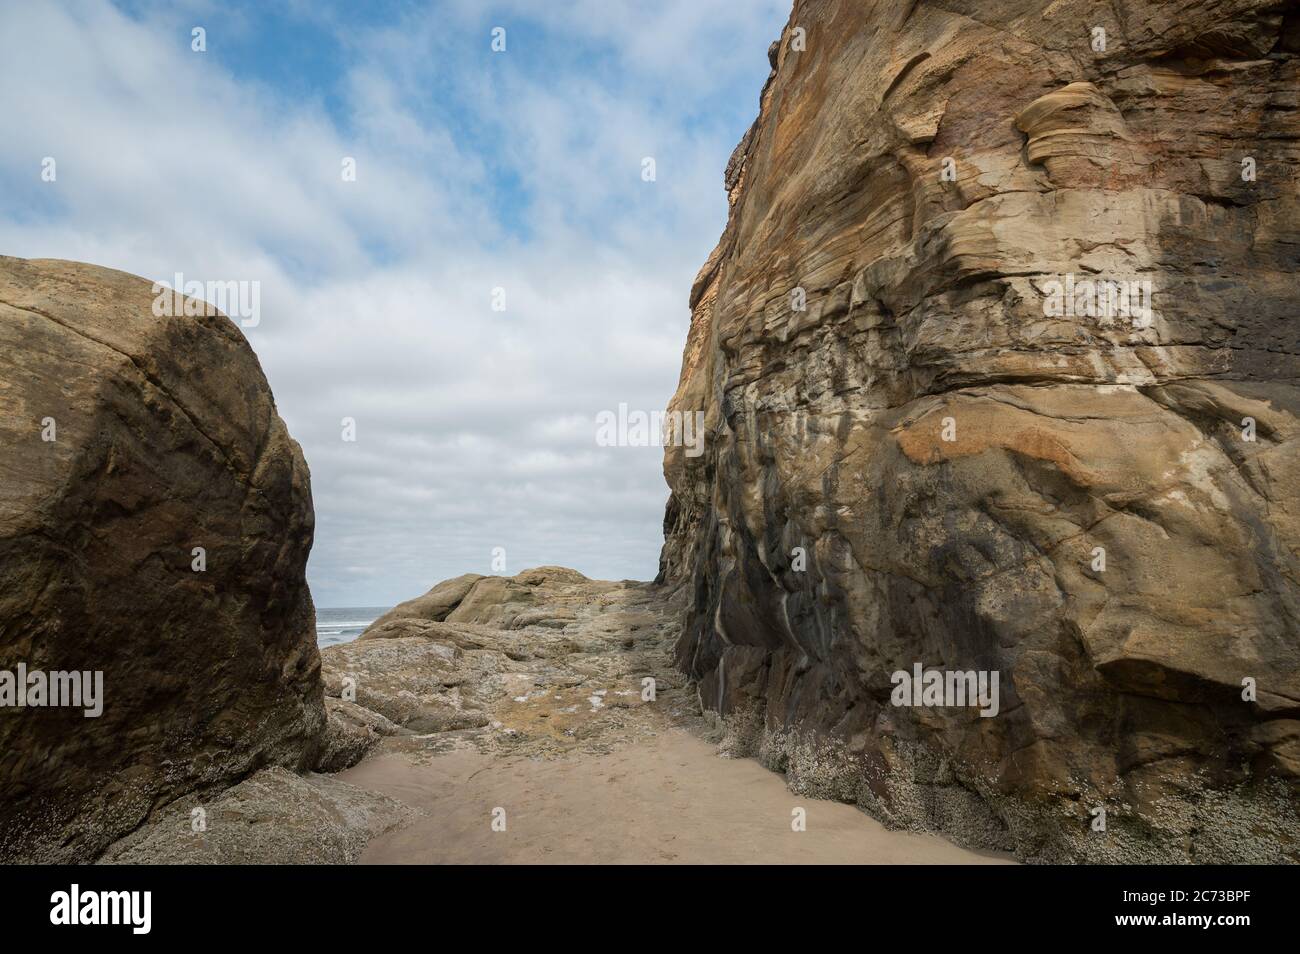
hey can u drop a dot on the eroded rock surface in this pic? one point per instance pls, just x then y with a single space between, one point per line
925 463
275 816
541 663
546 664
130 440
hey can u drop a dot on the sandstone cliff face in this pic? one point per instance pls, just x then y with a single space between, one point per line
129 440
953 448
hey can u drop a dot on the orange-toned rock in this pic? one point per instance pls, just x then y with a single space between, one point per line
1001 373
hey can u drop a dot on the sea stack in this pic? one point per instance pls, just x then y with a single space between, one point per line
919 454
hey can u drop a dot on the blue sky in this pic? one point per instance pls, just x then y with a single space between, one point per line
476 170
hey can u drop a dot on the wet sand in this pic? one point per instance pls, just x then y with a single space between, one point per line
666 800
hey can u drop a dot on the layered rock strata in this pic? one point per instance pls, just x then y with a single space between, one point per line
999 362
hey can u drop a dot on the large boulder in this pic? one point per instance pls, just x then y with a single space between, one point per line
434 605
922 450
532 596
129 441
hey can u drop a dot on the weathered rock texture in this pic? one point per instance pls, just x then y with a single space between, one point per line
546 664
927 305
537 663
272 817
166 439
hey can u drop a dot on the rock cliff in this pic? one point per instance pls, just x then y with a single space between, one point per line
999 361
154 528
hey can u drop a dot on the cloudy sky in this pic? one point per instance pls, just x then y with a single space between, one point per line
475 170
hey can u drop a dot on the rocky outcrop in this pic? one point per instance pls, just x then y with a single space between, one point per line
570 681
543 596
999 363
523 661
273 817
434 605
154 528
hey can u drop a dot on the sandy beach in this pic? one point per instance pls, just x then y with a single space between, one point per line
669 799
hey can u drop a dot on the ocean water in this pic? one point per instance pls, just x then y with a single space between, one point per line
342 624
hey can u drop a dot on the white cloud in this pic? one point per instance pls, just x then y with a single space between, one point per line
475 428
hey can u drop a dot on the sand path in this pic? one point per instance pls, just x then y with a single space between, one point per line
669 799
